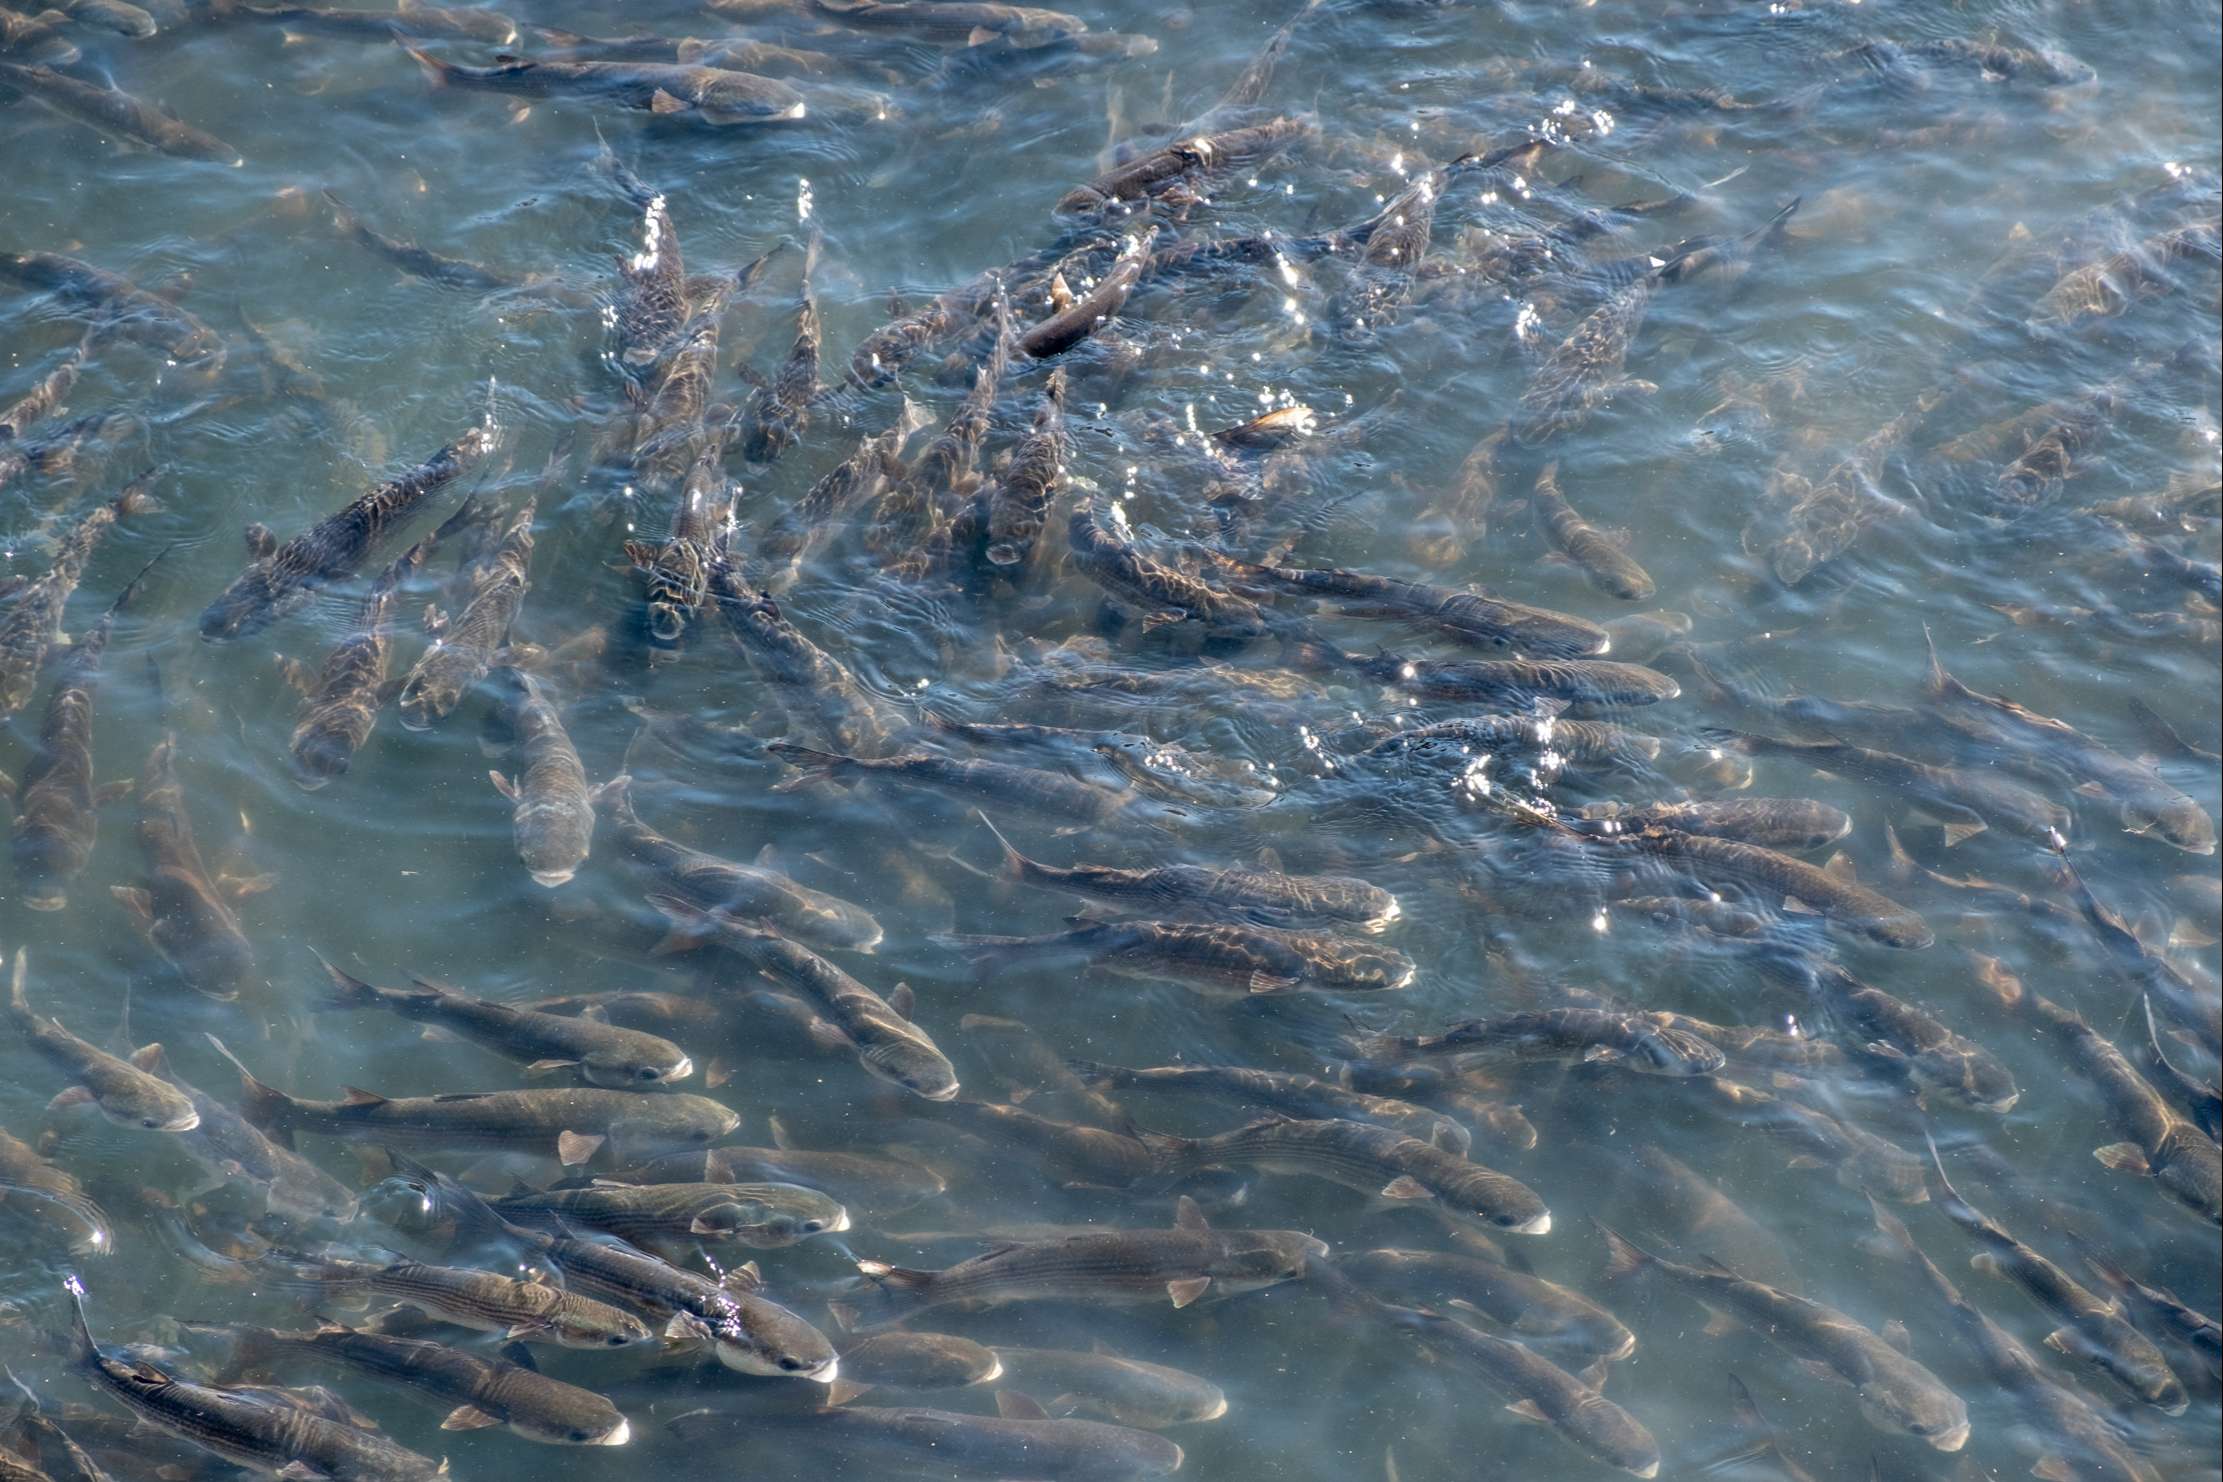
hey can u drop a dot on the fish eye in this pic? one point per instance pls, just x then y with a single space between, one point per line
616 1340
648 1073
150 1122
580 1438
792 1364
814 1227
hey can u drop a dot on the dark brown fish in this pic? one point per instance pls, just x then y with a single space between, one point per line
465 650
1504 681
824 701
552 805
56 804
112 110
1104 551
1020 501
120 305
283 577
748 892
777 556
1468 615
50 1194
33 622
1781 879
409 18
708 95
1585 370
1607 567
1810 524
780 410
1965 800
126 1093
1088 313
956 22
1180 167
180 908
44 399
1640 1042
2110 286
1223 955
1051 794
1774 823
418 262
1289 1093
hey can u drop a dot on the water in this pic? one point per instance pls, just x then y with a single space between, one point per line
1928 206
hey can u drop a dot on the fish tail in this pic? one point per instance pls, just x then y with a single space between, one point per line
1948 1197
131 588
266 1106
19 1002
435 70
1015 864
1097 1075
81 1333
812 766
344 991
135 500
1624 1258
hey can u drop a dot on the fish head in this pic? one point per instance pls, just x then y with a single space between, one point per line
1261 1258
919 1069
1660 1049
1362 965
2059 69
674 1124
2178 821
762 1338
630 1071
151 1111
1915 1405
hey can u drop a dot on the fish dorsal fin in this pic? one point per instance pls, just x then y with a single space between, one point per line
357 1096
149 1058
1188 1216
1012 1405
1840 867
902 1000
1716 1265
768 858
779 1133
574 1148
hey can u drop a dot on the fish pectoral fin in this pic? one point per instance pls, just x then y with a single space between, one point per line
502 785
301 1471
1269 983
1012 1405
68 1097
1718 1323
2053 1468
574 1148
137 902
550 1067
1405 1186
716 1074
1816 1369
1793 906
110 792
663 102
2124 1157
2089 790
1528 1410
1188 1215
1959 833
841 1392
1895 1333
1187 1289
239 887
468 1418
1600 1052
148 1057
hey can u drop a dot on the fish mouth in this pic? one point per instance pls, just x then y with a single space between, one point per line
1540 1225
1651 1469
1952 1440
47 902
829 1374
185 1123
551 878
680 1072
944 1093
1216 1411
993 1374
839 1225
309 781
618 1437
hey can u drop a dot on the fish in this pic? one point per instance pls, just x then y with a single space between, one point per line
181 908
485 1390
763 1216
1965 800
340 705
709 95
2158 1143
1289 1093
887 1044
1772 823
416 261
1503 681
1458 742
2110 286
2070 430
2163 1311
804 526
2201 1098
114 111
1177 170
1638 1042
599 1054
1182 1266
1111 1387
2081 1439
30 1184
744 892
1074 1154
466 647
243 1428
826 702
119 306
2041 747
916 1361
572 1123
409 18
899 1441
1468 616
1268 898
676 573
2092 1331
1377 1161
1864 1161
1585 370
232 1150
32 626
1089 312
533 1311
57 805
956 22
1103 550
1603 564
1897 1395
1940 1062
1539 1310
1806 525
281 578
864 1182
552 806
779 413
47 396
1227 956
1047 793
40 32
651 305
1019 502
1029 1066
